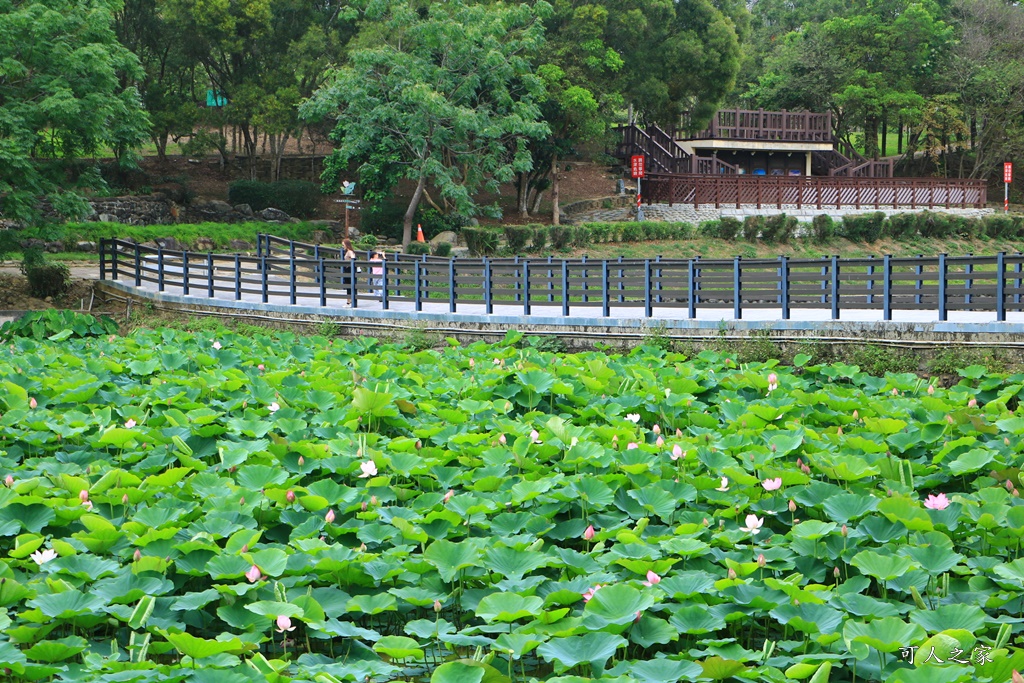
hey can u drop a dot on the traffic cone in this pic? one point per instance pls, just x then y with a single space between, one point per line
419 233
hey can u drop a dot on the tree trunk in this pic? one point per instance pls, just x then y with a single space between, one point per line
554 190
161 145
522 195
871 137
411 211
537 200
899 136
885 134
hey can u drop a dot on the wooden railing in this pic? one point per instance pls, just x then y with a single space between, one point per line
758 124
579 286
814 191
664 154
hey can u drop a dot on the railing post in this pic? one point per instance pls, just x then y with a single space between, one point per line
1017 269
551 284
586 299
323 284
871 281
526 287
451 285
263 278
292 294
605 301
887 287
238 278
355 283
565 287
114 251
209 272
657 275
784 286
621 287
138 266
488 297
384 284
942 287
835 287
259 244
1001 287
737 294
160 270
920 283
103 259
647 289
318 269
691 288
416 283
968 280
185 289
515 277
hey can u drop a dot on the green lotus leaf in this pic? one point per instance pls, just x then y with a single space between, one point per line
595 648
882 567
50 651
887 634
467 671
200 648
718 668
399 647
508 607
906 512
848 506
69 604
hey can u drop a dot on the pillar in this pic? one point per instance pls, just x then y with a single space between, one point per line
807 166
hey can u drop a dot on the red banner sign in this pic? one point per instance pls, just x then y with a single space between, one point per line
636 166
1007 172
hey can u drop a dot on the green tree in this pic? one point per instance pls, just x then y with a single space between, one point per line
444 95
62 96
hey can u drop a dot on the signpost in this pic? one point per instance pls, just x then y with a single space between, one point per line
637 170
1007 179
347 188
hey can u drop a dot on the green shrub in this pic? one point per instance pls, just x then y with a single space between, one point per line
540 237
582 236
45 279
481 241
517 237
632 232
365 243
823 228
902 226
42 324
729 228
443 249
878 360
418 248
778 229
753 226
294 197
863 228
1000 225
682 231
561 236
934 224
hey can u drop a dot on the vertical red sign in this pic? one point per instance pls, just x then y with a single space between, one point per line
636 166
1007 172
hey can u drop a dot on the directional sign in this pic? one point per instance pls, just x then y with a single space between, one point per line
636 166
1008 172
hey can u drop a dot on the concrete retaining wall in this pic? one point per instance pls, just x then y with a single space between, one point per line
687 213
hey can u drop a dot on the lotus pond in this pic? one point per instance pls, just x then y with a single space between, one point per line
282 508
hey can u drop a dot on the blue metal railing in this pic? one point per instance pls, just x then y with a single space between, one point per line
296 273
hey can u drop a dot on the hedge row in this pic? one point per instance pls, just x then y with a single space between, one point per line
524 238
294 197
220 233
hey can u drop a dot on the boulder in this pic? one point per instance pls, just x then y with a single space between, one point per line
169 243
293 219
353 232
54 247
107 218
217 206
85 246
244 209
33 244
240 245
391 241
205 244
272 214
328 225
319 237
446 236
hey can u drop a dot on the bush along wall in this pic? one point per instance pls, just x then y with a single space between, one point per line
294 197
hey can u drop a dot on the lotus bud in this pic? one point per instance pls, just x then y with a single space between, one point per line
419 444
1015 493
9 481
1006 441
839 431
1016 677
895 391
260 367
721 524
245 548
1009 485
679 433
799 462
373 500
792 505
773 378
844 531
448 496
437 605
245 404
253 574
137 555
835 572
636 619
502 440
705 522
949 419
856 415
471 363
290 496
761 561
83 495
241 501
615 439
589 533
302 461
32 403
656 429
660 442
677 452
931 390
973 402
732 573
774 449
362 547
124 499
796 603
805 469
363 506
751 457
329 517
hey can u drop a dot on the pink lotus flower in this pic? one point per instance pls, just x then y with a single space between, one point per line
895 391
9 480
216 345
588 535
83 495
636 619
792 505
761 562
497 362
590 593
253 574
87 504
302 461
725 485
652 578
448 496
535 436
656 429
129 424
731 573
137 555
973 402
939 502
368 468
32 403
373 500
502 440
124 499
754 524
284 624
631 445
437 603
677 452
260 367
471 363
772 484
290 496
274 407
329 517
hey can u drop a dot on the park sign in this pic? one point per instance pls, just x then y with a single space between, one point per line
636 166
1008 172
1007 179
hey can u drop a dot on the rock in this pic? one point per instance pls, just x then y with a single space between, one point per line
391 241
217 206
328 225
474 222
271 214
48 299
240 245
54 247
107 218
353 232
446 236
244 209
293 219
33 244
319 237
460 252
169 243
85 246
205 244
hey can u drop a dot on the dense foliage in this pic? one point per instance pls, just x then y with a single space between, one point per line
222 508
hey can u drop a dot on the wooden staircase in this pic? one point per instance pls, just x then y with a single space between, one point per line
664 154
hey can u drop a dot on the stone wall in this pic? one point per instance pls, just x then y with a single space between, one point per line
687 213
152 210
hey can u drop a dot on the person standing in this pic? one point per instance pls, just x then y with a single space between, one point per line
378 273
348 265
